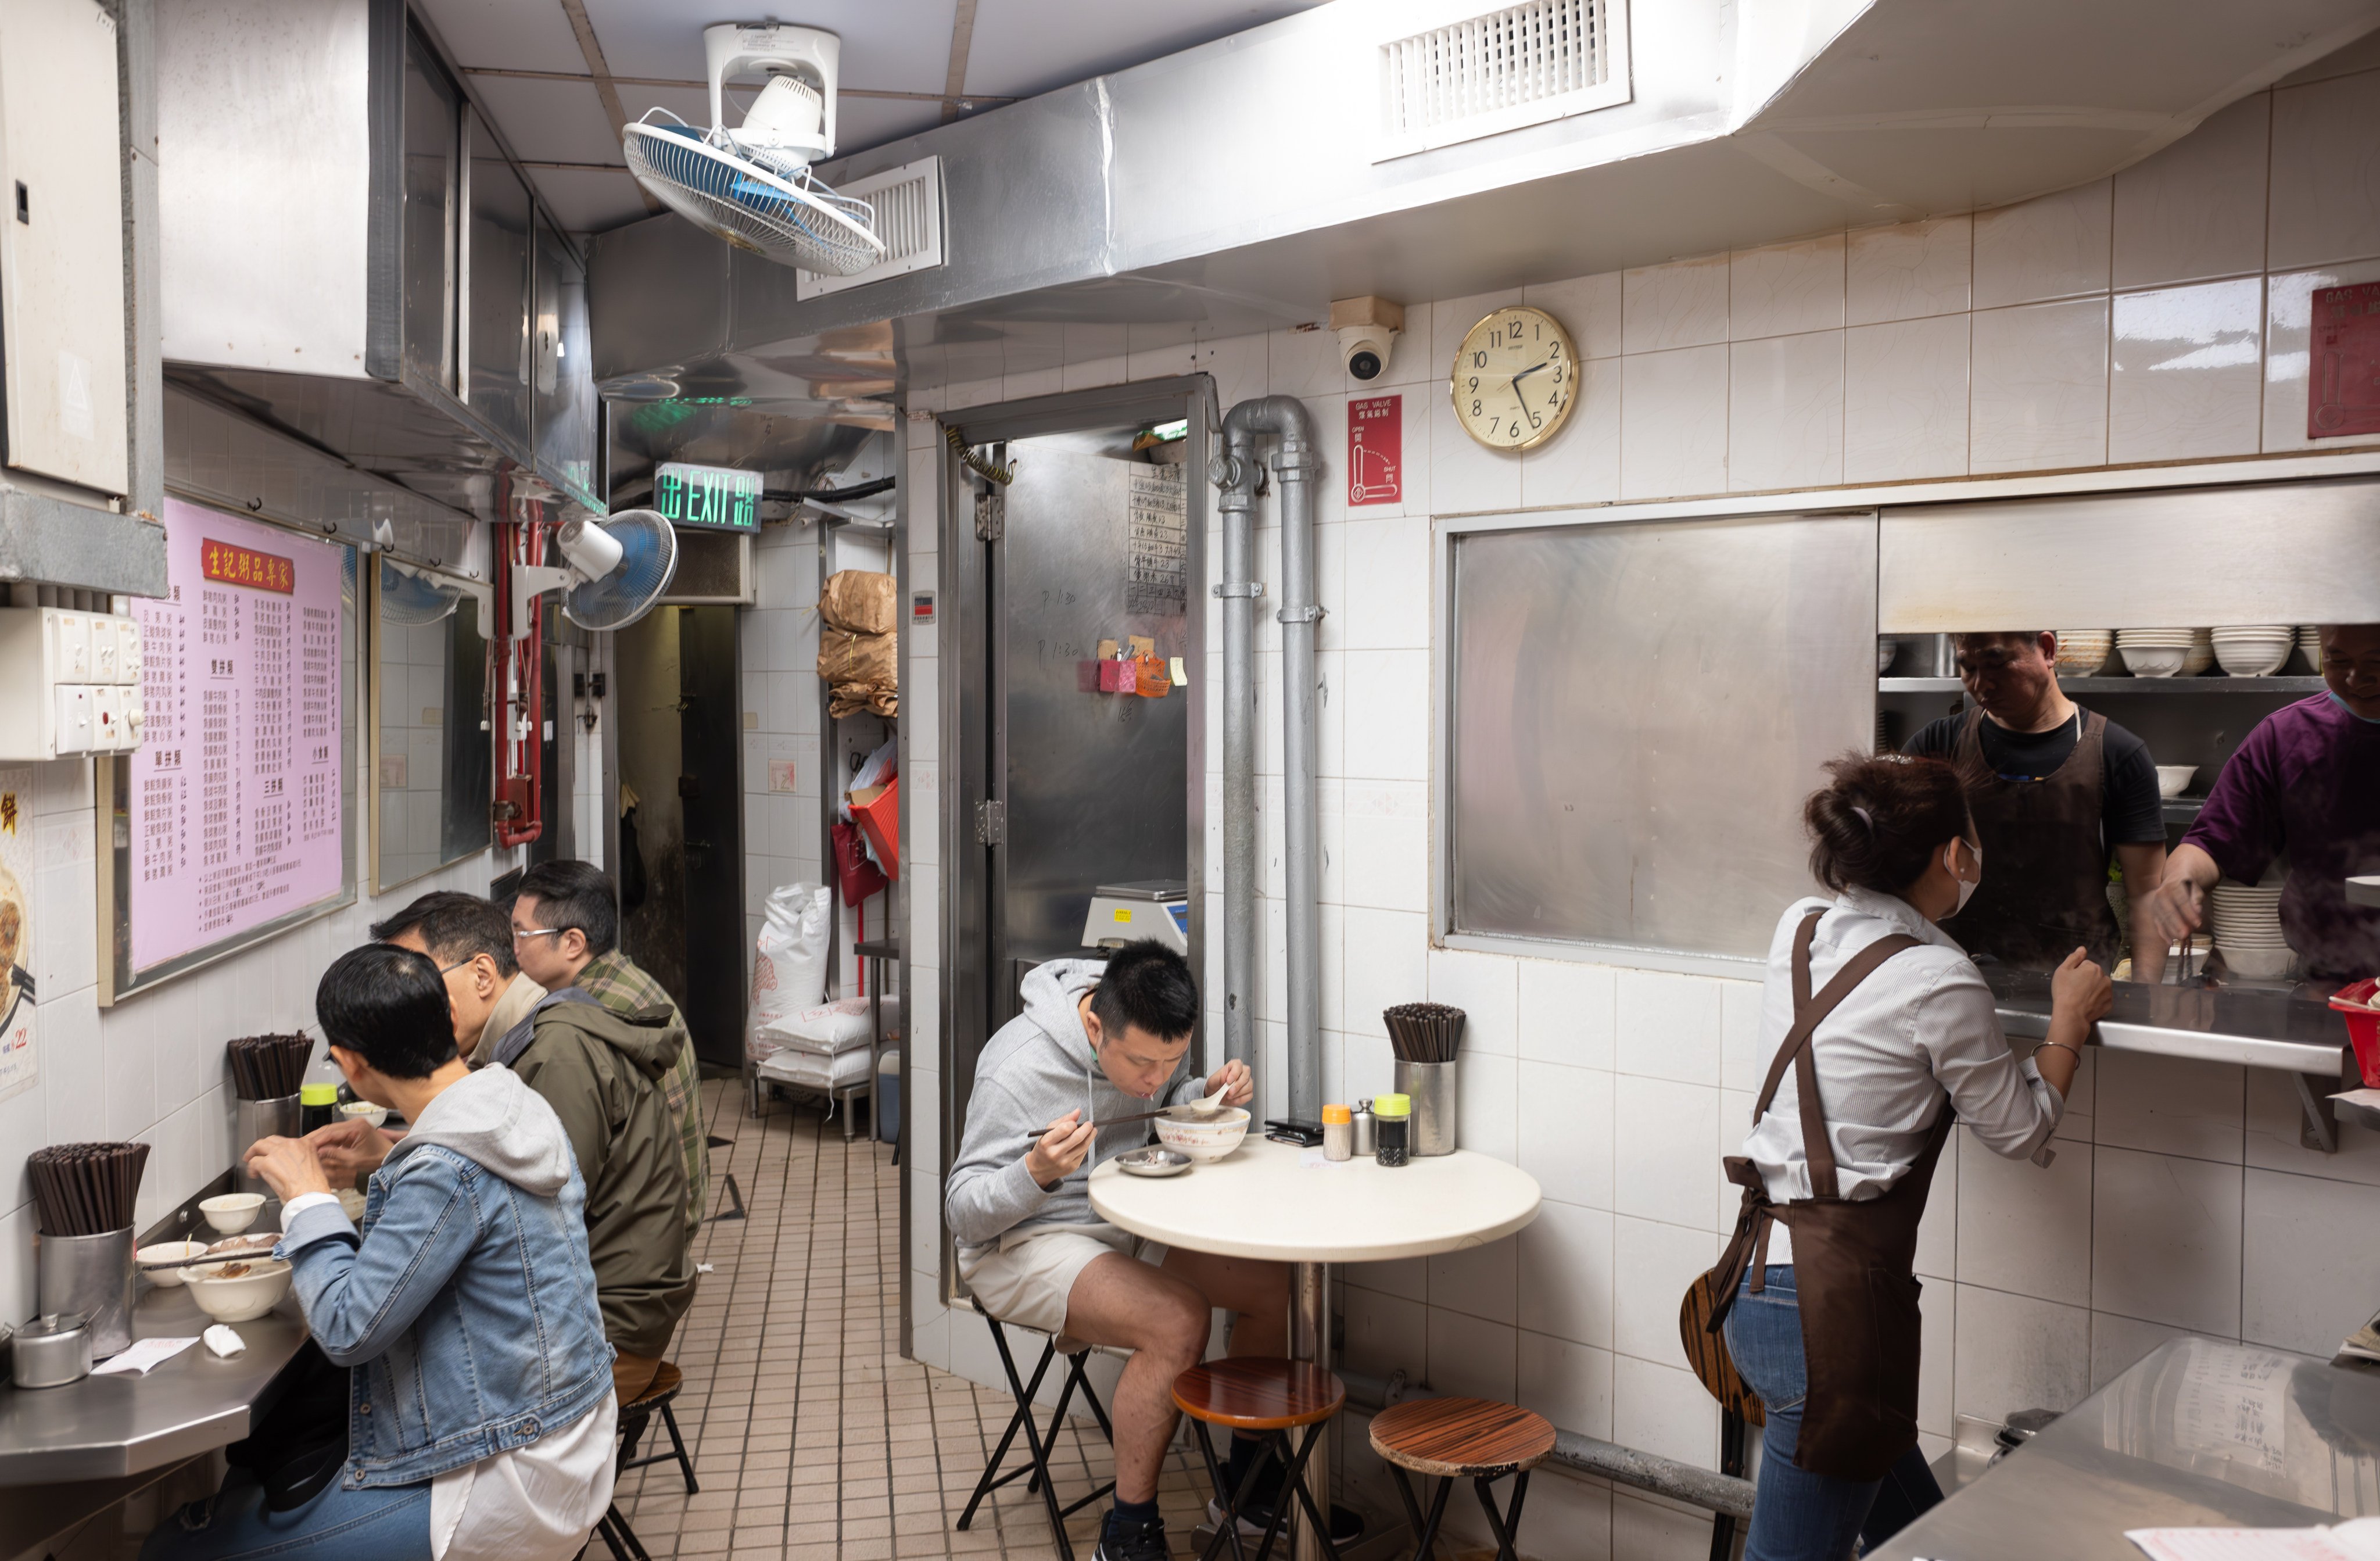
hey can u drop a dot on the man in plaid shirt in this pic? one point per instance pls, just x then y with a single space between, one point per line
566 925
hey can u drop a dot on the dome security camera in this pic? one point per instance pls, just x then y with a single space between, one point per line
1368 329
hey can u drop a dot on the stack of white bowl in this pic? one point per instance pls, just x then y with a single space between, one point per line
2309 641
2083 652
2246 925
2253 649
2160 653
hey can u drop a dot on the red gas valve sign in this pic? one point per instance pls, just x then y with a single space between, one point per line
1376 453
2343 383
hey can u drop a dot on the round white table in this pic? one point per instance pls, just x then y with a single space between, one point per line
1288 1204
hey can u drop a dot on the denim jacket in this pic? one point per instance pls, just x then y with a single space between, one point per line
466 1307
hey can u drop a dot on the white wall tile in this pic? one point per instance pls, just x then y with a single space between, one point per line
2288 316
1565 1132
1566 1274
1785 289
1386 954
2040 387
1569 1012
1665 1151
2196 209
1669 1026
1909 269
1674 423
1569 1384
2171 1105
1387 714
2116 1343
2310 1262
2054 246
1490 1105
2275 1120
2023 1228
1937 1305
1589 306
2186 375
1739 1029
1466 477
1938 1232
1581 463
1664 1410
1478 1281
1384 830
1470 1358
1905 400
1486 988
1649 1529
2166 1240
2014 1352
1387 584
1682 303
1785 412
2325 201
1652 1265
1385 1333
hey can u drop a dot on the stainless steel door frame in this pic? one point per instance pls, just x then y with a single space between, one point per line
968 640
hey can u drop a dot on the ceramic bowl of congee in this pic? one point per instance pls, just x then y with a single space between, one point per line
1209 1138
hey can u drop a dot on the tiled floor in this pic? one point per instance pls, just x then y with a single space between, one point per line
811 1437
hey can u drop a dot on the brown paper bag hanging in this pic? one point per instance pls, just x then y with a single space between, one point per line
859 601
844 657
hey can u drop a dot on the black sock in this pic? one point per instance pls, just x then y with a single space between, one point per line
1132 1513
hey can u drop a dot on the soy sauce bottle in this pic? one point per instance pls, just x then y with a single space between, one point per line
1393 1131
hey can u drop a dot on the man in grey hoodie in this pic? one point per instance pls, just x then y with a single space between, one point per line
1096 1041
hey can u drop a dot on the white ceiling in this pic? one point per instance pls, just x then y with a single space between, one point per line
1016 48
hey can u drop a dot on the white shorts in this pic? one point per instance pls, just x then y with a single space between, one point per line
1025 1279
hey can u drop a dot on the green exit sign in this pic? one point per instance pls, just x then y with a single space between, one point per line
716 496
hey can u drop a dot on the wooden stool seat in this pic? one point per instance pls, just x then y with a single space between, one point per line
667 1381
1258 1393
636 1418
1462 1438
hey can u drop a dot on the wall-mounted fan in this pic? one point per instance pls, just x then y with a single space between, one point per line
614 570
752 186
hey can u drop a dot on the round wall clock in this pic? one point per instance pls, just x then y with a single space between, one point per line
1513 379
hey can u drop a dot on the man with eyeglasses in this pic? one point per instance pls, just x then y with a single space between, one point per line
565 932
602 1073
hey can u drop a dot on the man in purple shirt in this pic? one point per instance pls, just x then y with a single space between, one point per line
2306 783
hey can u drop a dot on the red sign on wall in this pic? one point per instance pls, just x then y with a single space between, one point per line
1376 449
244 566
2343 386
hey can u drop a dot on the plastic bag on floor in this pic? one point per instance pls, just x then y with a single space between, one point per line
789 1067
827 1029
789 964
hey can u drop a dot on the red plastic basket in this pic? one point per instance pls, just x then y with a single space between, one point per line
2363 1026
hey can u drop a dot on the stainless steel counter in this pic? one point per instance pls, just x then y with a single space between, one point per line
2286 1027
108 1427
2199 1432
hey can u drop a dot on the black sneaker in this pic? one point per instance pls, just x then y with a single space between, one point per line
1347 1526
1131 1541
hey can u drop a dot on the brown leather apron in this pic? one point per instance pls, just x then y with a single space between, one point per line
1852 1260
2044 888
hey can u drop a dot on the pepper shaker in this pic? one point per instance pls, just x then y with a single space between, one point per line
1393 1127
1338 1133
1365 1141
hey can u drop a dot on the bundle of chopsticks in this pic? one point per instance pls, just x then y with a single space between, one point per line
1423 1031
86 1188
266 1068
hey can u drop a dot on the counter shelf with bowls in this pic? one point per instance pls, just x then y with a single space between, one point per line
2208 684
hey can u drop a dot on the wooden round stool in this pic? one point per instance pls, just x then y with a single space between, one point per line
1477 1439
1271 1397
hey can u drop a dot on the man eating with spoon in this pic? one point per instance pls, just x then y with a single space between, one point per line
1099 1041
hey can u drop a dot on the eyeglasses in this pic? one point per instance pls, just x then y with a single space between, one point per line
520 932
450 969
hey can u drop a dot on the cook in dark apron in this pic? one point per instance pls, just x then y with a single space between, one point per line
2046 894
1856 1358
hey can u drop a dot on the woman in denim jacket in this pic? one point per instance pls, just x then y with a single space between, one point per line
482 1418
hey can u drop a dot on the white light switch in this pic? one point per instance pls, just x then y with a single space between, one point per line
127 650
74 648
107 718
75 735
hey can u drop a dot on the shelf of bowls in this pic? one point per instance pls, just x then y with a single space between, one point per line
2189 694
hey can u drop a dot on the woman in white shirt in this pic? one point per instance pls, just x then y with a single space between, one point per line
1890 1034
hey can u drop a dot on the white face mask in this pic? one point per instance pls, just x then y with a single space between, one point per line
1966 888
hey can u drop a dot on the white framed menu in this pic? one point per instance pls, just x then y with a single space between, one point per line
234 819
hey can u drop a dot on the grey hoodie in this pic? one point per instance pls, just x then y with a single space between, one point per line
1037 1068
492 1117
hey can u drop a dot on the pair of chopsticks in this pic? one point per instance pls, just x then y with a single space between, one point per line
267 1067
1423 1031
86 1188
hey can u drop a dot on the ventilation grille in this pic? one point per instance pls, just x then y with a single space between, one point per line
908 202
1519 66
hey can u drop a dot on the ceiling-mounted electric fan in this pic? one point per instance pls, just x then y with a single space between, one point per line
752 185
614 570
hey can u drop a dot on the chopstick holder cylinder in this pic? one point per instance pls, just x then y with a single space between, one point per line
252 1120
1435 1100
91 1274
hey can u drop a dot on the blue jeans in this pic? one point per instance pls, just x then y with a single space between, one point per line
1797 1516
382 1523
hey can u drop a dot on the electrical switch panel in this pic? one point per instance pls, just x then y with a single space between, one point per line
72 684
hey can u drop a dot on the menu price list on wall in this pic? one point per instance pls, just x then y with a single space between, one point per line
236 792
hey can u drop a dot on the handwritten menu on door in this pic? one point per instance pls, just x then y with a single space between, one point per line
236 796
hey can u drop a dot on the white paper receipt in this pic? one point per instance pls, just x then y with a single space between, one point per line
2358 1541
140 1355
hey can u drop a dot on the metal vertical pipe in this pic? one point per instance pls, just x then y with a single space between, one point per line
1234 471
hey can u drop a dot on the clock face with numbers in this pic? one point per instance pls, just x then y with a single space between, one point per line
1513 379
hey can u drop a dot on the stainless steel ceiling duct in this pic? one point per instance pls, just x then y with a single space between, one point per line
1129 199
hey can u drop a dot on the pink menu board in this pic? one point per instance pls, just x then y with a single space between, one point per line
237 789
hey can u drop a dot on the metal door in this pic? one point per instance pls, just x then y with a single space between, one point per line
710 797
